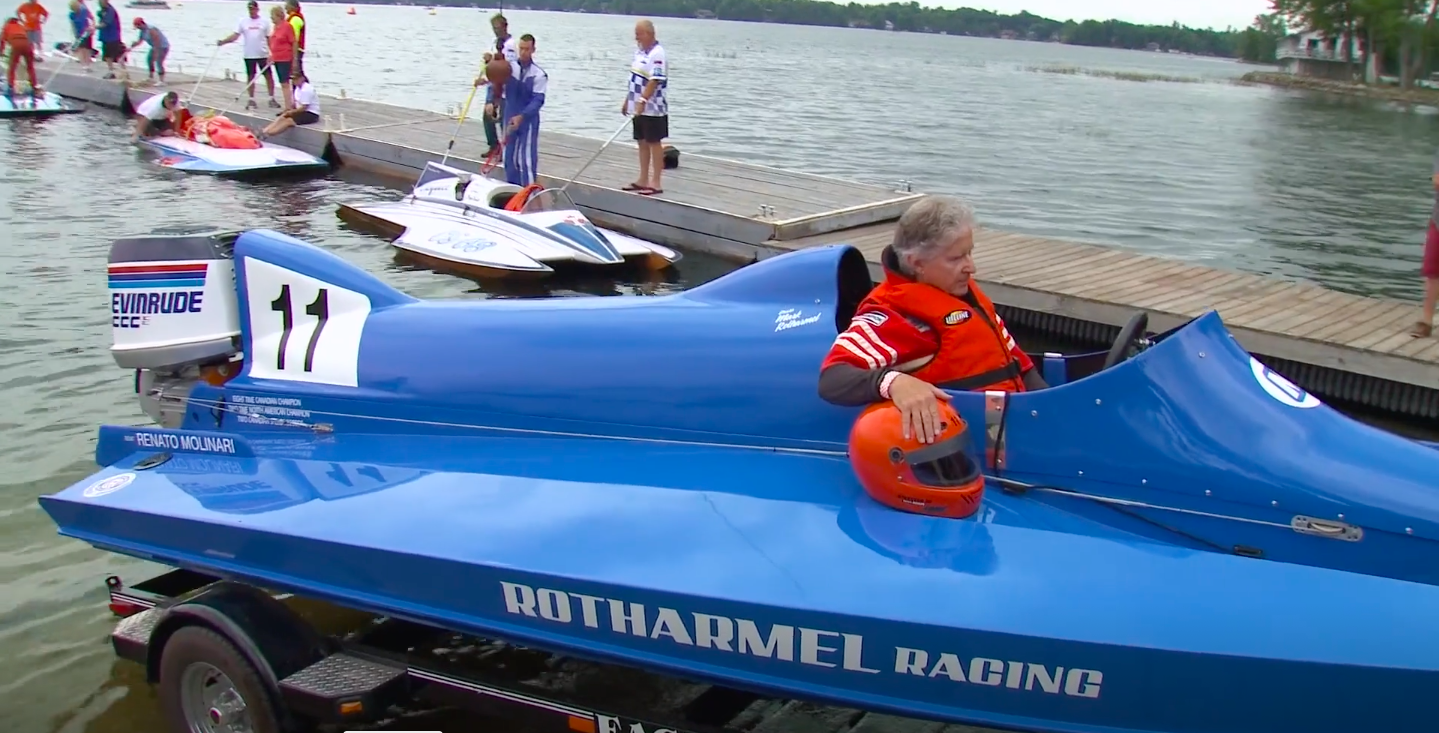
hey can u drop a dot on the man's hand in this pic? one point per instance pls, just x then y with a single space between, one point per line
639 105
515 122
489 110
489 57
479 80
625 107
918 403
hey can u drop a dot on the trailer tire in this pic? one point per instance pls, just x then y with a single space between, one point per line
194 658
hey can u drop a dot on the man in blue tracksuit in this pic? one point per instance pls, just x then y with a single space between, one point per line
524 96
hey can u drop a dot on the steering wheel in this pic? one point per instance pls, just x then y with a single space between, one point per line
1130 341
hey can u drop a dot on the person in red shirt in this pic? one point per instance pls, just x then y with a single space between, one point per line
928 327
33 15
14 37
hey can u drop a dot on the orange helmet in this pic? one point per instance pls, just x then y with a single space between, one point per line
939 479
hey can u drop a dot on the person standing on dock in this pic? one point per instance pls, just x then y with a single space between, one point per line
927 327
14 38
524 96
648 103
1429 268
255 32
282 53
159 49
34 15
296 19
507 48
112 47
82 21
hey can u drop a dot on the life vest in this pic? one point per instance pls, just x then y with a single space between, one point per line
518 201
300 38
975 349
15 35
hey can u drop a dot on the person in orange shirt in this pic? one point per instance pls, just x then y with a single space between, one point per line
33 15
14 36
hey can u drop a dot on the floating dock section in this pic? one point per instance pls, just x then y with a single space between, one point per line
1343 347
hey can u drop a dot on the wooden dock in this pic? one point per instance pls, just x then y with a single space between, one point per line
1337 345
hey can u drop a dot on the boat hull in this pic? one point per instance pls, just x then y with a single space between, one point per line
192 157
24 105
647 554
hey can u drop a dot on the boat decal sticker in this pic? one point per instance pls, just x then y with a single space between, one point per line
1280 388
462 241
108 485
793 318
793 643
258 410
302 329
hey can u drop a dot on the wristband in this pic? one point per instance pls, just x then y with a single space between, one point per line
884 383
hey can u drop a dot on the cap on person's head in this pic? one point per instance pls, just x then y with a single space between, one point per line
139 23
253 5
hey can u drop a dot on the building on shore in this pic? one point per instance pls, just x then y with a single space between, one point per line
1316 55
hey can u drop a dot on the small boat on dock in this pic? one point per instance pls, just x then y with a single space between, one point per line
1173 538
148 4
477 225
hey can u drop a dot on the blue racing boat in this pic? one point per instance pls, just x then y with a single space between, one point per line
1174 538
25 104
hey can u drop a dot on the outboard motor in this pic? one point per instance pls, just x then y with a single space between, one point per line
174 314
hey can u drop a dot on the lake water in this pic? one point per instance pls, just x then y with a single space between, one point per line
1205 170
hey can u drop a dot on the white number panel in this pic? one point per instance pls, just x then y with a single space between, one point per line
303 329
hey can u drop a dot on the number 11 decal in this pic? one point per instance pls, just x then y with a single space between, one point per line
319 308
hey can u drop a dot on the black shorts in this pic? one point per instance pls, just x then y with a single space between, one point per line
85 45
652 129
112 51
282 71
253 66
155 127
306 117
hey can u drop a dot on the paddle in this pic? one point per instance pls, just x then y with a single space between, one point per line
68 59
201 78
244 89
619 130
465 112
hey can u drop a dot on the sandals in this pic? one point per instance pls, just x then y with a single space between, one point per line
650 191
635 187
1422 330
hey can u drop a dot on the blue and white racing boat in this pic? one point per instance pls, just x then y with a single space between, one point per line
195 157
1174 538
25 104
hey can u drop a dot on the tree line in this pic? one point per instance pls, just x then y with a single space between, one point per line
909 17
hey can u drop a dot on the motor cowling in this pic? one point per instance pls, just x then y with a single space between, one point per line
173 299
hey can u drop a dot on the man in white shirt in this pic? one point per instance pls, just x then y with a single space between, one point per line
156 115
255 30
306 111
648 103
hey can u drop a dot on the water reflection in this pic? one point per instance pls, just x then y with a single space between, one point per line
1344 191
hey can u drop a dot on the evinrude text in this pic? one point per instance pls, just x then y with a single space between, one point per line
130 310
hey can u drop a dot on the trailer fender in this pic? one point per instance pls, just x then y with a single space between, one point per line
272 637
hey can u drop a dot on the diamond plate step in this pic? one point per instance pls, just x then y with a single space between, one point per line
344 687
131 637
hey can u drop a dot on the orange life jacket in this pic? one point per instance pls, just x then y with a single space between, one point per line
975 349
14 35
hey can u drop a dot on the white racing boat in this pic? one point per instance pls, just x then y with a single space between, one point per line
476 224
197 157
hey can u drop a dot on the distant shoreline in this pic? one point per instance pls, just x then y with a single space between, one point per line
1417 95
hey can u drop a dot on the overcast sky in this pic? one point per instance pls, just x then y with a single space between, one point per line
1193 13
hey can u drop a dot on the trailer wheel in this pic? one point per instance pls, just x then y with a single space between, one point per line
207 686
